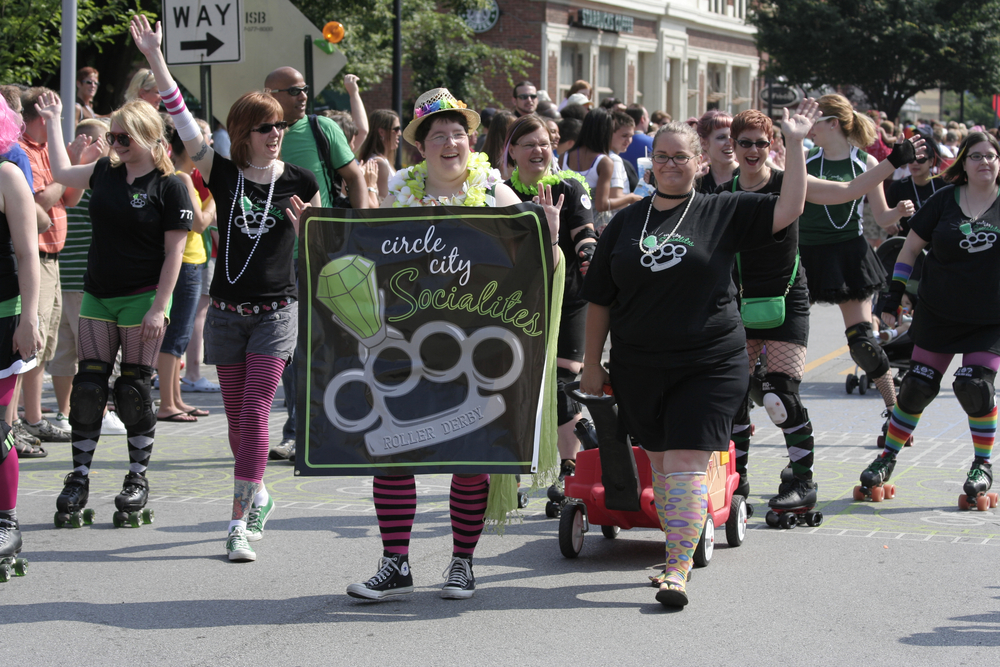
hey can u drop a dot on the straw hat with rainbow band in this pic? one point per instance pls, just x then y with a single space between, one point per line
435 101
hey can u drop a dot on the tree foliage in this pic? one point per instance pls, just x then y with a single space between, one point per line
31 34
438 46
889 49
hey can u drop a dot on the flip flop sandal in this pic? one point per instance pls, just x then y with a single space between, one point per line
657 579
198 412
672 595
30 452
178 417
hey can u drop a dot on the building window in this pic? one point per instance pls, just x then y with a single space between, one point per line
605 85
570 66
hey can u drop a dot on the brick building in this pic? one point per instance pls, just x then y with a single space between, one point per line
679 56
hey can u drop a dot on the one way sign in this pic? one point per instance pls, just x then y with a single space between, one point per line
202 32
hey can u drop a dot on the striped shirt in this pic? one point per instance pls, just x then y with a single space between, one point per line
73 258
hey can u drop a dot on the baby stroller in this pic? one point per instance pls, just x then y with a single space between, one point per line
899 348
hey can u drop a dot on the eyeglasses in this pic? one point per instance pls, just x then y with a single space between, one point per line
679 160
531 147
294 91
979 157
442 139
123 139
527 97
265 128
397 129
746 143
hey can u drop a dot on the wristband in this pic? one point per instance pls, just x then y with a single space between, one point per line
901 273
902 153
584 233
895 298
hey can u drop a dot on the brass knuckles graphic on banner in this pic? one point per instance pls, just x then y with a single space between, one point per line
395 435
670 251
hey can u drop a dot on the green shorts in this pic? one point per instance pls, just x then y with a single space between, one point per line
125 311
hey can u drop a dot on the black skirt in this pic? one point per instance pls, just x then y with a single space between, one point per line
11 362
938 334
839 272
795 328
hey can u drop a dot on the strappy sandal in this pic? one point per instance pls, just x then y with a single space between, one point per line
672 594
655 580
29 451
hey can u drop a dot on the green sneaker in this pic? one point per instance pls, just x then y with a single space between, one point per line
258 517
237 546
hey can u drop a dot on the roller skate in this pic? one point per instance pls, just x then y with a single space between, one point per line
132 501
10 547
794 506
977 484
556 492
873 480
880 441
70 512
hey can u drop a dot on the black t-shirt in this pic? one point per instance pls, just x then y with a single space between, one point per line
9 287
905 188
269 274
960 279
767 270
680 304
577 211
128 221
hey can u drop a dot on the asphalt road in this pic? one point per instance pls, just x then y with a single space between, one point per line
907 581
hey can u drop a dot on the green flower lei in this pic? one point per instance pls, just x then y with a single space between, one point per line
408 186
547 179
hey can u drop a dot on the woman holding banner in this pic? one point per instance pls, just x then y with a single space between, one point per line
528 149
660 282
252 327
450 175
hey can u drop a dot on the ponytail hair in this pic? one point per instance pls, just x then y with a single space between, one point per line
858 129
144 127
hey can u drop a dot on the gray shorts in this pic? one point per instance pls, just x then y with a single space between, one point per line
230 337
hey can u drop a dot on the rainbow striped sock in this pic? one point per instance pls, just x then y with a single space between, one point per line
984 431
901 426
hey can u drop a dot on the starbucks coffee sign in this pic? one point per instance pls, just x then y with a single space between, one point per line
482 20
780 96
592 18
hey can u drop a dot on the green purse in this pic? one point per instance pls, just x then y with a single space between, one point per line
765 312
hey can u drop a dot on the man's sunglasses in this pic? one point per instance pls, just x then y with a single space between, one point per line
527 97
123 139
265 128
294 91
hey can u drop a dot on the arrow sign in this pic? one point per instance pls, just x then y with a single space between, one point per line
211 44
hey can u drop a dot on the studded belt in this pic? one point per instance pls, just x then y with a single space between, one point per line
248 308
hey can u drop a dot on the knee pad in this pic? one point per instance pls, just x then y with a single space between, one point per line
865 350
90 395
782 402
974 389
566 407
134 399
756 386
919 387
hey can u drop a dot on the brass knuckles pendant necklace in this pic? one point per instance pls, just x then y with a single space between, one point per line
650 244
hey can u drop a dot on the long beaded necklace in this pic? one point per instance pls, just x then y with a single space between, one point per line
916 195
244 201
651 244
854 202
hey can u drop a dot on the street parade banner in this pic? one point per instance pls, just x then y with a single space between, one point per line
422 340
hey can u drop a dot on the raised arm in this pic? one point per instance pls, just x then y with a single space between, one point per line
50 108
358 114
835 192
148 41
793 187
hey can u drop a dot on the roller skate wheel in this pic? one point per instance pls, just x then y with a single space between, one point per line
88 516
134 519
880 442
963 502
771 519
878 494
76 520
890 491
787 521
816 519
859 493
982 503
21 567
59 520
118 519
148 515
6 572
993 499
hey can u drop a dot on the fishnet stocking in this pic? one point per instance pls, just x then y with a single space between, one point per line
100 340
786 358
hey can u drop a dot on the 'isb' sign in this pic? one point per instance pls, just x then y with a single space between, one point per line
202 33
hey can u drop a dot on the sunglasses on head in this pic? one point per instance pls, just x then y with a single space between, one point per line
760 143
265 128
122 138
294 91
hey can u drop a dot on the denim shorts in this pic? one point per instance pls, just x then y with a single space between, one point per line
230 337
187 291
